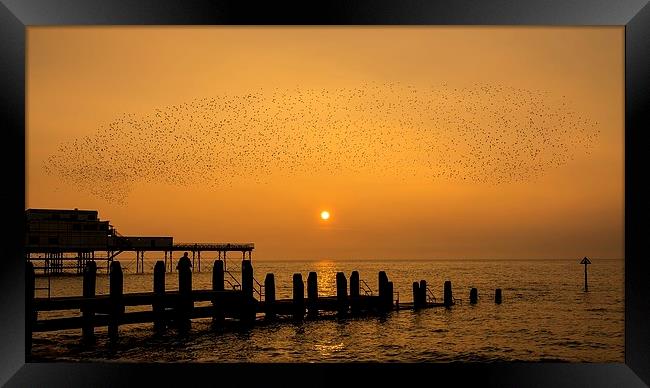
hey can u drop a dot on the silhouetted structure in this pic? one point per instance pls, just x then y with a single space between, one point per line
473 296
185 304
585 261
498 297
238 304
61 239
448 296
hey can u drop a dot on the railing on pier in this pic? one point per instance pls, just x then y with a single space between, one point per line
431 298
365 287
259 290
232 281
213 246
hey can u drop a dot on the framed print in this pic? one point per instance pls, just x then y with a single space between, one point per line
234 192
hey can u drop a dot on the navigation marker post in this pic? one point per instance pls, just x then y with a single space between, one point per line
586 262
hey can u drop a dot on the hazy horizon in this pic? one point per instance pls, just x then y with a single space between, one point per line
437 143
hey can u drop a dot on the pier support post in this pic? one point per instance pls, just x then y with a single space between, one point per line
342 293
497 296
87 313
158 306
269 296
416 295
185 304
312 294
248 308
116 288
448 297
298 297
30 313
473 296
218 316
354 292
423 293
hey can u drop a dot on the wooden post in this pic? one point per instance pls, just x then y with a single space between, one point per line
247 278
159 296
389 296
473 296
88 291
248 308
312 294
115 299
423 293
185 304
269 296
497 296
381 289
354 292
30 313
341 293
298 297
416 295
383 279
448 296
218 316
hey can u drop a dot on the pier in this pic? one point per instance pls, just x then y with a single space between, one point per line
61 241
244 302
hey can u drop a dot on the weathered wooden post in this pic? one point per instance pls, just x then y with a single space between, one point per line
416 295
382 280
389 296
269 296
248 307
30 313
423 293
88 291
497 296
381 289
298 297
158 306
218 315
354 292
312 294
341 293
116 309
586 262
448 296
473 296
247 278
185 303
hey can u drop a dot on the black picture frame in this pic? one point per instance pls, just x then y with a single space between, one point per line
16 15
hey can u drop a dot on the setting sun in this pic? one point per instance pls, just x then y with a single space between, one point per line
325 215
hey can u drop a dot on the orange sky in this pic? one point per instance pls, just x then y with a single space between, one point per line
422 142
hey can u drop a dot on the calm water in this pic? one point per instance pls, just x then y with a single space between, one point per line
545 315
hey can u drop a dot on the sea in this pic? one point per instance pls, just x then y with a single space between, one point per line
545 315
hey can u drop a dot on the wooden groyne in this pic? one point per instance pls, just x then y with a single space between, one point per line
243 303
